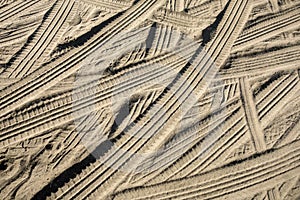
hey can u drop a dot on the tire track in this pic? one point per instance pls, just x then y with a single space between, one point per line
176 5
272 26
60 110
277 165
198 158
188 138
280 60
265 89
289 136
191 158
86 126
136 109
121 76
278 93
274 93
252 116
8 37
179 19
220 145
110 177
282 99
206 8
110 5
46 76
205 104
42 38
15 9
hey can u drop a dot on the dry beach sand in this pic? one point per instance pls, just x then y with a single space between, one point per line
150 99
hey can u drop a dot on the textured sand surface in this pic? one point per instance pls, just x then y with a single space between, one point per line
150 99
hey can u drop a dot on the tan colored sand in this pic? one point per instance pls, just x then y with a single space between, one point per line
149 99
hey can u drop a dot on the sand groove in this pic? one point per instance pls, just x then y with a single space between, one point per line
149 99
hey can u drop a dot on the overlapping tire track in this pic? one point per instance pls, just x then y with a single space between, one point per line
232 181
14 9
59 110
180 20
110 170
193 131
204 9
252 116
190 153
7 39
46 76
42 38
278 94
110 5
273 25
97 121
143 158
284 59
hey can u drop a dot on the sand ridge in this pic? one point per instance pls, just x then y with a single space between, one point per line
149 99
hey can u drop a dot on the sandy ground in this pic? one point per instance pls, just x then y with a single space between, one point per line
150 99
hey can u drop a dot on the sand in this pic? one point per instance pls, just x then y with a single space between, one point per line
150 99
